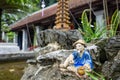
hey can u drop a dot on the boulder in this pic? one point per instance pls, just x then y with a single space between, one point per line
56 45
63 38
47 67
111 69
112 47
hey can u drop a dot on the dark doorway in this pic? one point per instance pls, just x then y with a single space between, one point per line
31 33
20 39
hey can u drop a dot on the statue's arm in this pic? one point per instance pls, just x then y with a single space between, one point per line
68 61
88 63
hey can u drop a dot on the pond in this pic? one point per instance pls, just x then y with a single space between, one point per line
12 70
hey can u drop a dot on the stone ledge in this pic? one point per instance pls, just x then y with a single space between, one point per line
17 56
9 44
8 48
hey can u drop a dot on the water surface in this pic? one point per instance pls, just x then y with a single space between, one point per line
12 70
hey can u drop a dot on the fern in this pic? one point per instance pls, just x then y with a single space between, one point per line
87 31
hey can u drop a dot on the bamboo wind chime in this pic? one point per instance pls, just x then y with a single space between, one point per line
62 16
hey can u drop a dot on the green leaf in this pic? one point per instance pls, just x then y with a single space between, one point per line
95 76
86 26
92 76
115 21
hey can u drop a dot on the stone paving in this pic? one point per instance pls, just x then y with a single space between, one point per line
10 51
6 48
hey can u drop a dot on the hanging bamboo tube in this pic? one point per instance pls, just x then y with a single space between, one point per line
62 15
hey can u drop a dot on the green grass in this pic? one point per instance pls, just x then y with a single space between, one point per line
12 70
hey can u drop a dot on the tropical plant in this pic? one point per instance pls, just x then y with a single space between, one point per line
87 31
115 21
13 6
10 36
95 76
7 19
9 6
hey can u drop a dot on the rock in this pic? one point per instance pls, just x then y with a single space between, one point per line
116 65
64 38
112 47
47 73
108 55
106 69
29 72
48 63
49 48
59 55
95 53
111 69
107 48
117 57
47 67
101 44
31 61
51 53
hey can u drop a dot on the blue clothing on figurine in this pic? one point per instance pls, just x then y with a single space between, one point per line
80 61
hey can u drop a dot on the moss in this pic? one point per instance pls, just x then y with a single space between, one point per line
12 70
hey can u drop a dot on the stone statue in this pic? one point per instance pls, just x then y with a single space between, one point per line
79 61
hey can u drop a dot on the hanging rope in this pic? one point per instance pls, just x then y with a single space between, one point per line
106 13
117 5
91 10
108 23
90 5
74 19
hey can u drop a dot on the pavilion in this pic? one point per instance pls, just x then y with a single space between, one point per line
25 28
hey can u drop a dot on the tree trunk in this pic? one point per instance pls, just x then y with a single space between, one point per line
0 24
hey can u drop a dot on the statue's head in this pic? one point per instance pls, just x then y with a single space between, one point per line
79 45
